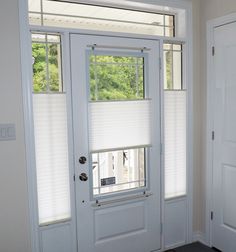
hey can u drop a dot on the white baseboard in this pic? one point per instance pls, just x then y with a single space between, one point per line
174 245
199 236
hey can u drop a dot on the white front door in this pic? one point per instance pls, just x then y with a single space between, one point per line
117 169
224 145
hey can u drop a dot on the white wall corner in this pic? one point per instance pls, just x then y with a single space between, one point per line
199 236
26 79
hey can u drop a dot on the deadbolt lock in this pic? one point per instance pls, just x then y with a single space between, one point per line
82 160
83 177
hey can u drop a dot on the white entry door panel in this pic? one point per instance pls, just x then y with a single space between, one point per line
117 188
224 162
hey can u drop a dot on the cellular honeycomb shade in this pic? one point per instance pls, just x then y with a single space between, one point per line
175 143
51 149
119 125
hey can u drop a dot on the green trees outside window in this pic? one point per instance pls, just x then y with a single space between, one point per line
46 66
116 77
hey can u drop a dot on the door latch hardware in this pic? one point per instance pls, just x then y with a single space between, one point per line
213 135
213 51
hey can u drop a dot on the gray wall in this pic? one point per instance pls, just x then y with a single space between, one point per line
14 221
211 9
203 10
197 164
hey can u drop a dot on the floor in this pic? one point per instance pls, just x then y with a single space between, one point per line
194 247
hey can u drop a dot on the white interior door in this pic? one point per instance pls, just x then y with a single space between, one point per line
116 113
224 162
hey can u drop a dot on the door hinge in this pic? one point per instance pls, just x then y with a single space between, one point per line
74 177
213 51
213 135
161 228
212 215
160 63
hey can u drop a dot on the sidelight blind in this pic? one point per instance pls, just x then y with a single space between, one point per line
51 147
175 142
119 124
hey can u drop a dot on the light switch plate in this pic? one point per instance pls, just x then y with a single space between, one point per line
7 132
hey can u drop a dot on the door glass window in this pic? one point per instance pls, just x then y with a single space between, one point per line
116 90
118 170
116 77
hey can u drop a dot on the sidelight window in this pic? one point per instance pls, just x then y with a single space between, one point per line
50 128
174 121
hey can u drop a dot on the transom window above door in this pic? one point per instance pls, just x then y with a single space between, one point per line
101 18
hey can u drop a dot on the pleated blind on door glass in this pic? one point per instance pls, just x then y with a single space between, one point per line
175 142
117 125
51 148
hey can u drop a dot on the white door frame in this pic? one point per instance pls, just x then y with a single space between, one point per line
25 45
211 25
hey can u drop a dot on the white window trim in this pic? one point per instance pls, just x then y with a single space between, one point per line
25 44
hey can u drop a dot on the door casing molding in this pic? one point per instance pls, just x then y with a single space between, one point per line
25 45
211 25
26 85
